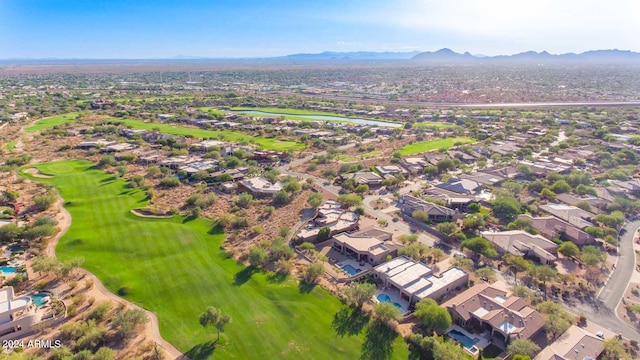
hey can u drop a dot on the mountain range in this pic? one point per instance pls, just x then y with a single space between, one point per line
449 56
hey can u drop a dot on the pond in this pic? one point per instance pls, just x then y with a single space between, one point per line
322 118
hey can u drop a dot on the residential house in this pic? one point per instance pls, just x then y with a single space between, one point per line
575 343
259 186
492 307
330 215
437 213
91 144
118 147
364 177
571 214
206 145
552 228
415 165
415 281
521 243
18 315
484 178
390 171
461 186
370 245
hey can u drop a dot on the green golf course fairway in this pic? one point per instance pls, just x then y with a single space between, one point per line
50 122
175 268
445 143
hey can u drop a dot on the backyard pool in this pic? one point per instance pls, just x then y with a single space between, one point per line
385 298
463 339
351 270
40 299
8 269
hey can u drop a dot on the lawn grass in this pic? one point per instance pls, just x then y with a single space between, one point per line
175 268
420 147
433 124
287 111
50 122
267 143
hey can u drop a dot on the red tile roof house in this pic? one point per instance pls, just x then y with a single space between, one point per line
491 307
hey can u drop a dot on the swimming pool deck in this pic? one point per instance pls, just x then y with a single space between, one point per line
395 298
484 338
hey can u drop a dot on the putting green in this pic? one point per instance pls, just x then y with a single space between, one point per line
175 268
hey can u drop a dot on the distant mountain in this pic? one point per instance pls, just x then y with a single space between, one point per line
594 56
444 55
358 55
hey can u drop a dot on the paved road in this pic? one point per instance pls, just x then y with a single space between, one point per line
612 292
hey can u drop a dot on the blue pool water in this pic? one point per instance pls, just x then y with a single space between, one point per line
351 270
38 299
8 269
386 298
463 339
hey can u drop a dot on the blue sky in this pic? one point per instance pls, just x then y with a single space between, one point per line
246 28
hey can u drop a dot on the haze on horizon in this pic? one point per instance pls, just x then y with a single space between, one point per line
247 28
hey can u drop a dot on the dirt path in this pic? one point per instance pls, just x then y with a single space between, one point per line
151 329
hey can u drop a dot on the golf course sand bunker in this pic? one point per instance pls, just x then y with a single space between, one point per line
149 214
36 173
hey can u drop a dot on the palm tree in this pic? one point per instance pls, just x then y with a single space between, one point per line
214 317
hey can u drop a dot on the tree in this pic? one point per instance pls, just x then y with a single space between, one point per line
386 311
614 350
506 208
448 350
416 251
359 293
420 215
474 207
43 202
480 246
258 256
560 186
281 197
313 272
568 249
592 256
9 196
421 347
463 263
214 317
444 165
10 232
170 182
557 320
544 273
433 318
362 188
315 199
127 321
349 200
323 234
473 222
38 232
523 347
486 273
516 263
107 160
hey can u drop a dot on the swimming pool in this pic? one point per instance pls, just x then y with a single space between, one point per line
8 269
38 299
351 270
385 298
466 341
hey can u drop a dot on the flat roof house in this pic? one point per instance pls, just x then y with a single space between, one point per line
370 245
331 215
408 204
18 315
259 186
492 307
521 243
416 281
389 171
